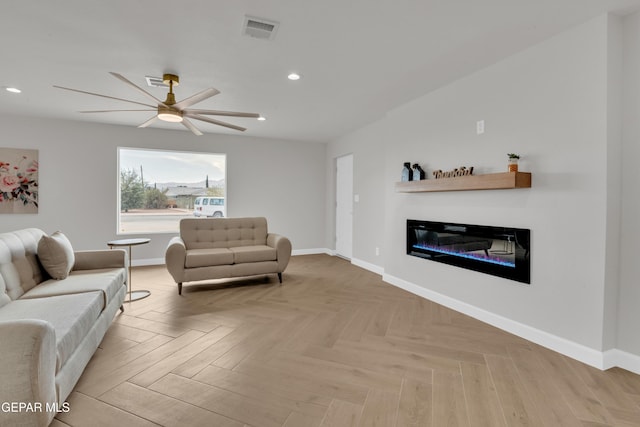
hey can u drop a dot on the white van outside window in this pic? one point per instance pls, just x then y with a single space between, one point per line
210 206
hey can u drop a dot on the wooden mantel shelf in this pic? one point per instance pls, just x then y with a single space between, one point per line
491 181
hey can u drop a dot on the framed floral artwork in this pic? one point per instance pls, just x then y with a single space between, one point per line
18 181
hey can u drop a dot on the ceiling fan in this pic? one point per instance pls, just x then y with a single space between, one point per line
169 110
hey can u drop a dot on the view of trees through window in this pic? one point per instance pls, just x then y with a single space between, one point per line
157 188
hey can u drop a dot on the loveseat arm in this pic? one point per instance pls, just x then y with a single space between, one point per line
283 249
106 258
175 257
27 372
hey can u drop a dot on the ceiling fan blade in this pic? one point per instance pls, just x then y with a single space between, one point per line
110 111
136 87
191 127
103 96
198 97
221 113
148 122
214 121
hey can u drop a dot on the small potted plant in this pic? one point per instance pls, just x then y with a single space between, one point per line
513 162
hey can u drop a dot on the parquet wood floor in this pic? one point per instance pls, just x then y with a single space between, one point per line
332 346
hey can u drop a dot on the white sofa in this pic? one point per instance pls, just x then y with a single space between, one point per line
220 248
49 328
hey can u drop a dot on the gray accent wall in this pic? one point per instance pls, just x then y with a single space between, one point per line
281 180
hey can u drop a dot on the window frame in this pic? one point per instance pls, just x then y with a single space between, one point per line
119 153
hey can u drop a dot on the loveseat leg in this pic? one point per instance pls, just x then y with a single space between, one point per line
122 308
179 288
280 277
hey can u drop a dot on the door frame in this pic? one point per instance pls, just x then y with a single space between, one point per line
344 206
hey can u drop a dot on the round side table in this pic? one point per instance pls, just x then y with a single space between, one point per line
133 295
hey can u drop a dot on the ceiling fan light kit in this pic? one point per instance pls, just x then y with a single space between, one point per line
170 110
169 115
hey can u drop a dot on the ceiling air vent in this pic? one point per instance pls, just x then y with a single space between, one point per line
155 81
259 28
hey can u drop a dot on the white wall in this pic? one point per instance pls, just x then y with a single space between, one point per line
614 181
629 303
551 104
281 180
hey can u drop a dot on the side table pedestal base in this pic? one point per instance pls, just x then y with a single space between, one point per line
137 295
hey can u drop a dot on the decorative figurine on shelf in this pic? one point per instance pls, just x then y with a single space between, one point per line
461 171
513 162
418 173
406 172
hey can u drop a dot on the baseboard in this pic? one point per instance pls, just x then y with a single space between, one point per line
367 266
312 251
597 359
622 359
148 261
561 345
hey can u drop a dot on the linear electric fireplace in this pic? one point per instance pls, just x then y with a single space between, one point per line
500 251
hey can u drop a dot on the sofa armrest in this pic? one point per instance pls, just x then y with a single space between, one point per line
283 249
175 257
106 258
27 372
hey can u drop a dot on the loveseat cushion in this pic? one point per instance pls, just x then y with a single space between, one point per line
204 233
255 253
72 316
108 281
208 257
56 255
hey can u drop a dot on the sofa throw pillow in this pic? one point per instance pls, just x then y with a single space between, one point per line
56 255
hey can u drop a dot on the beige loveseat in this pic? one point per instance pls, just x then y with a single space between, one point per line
218 248
49 328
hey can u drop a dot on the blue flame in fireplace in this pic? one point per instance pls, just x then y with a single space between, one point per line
469 255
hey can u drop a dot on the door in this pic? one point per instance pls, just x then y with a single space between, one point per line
344 206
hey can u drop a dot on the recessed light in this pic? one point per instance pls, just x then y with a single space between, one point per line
13 89
262 119
294 76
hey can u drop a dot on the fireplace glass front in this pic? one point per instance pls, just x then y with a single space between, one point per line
500 251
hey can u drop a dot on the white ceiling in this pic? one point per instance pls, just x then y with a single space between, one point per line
359 58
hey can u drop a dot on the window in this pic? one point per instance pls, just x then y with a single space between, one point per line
157 188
